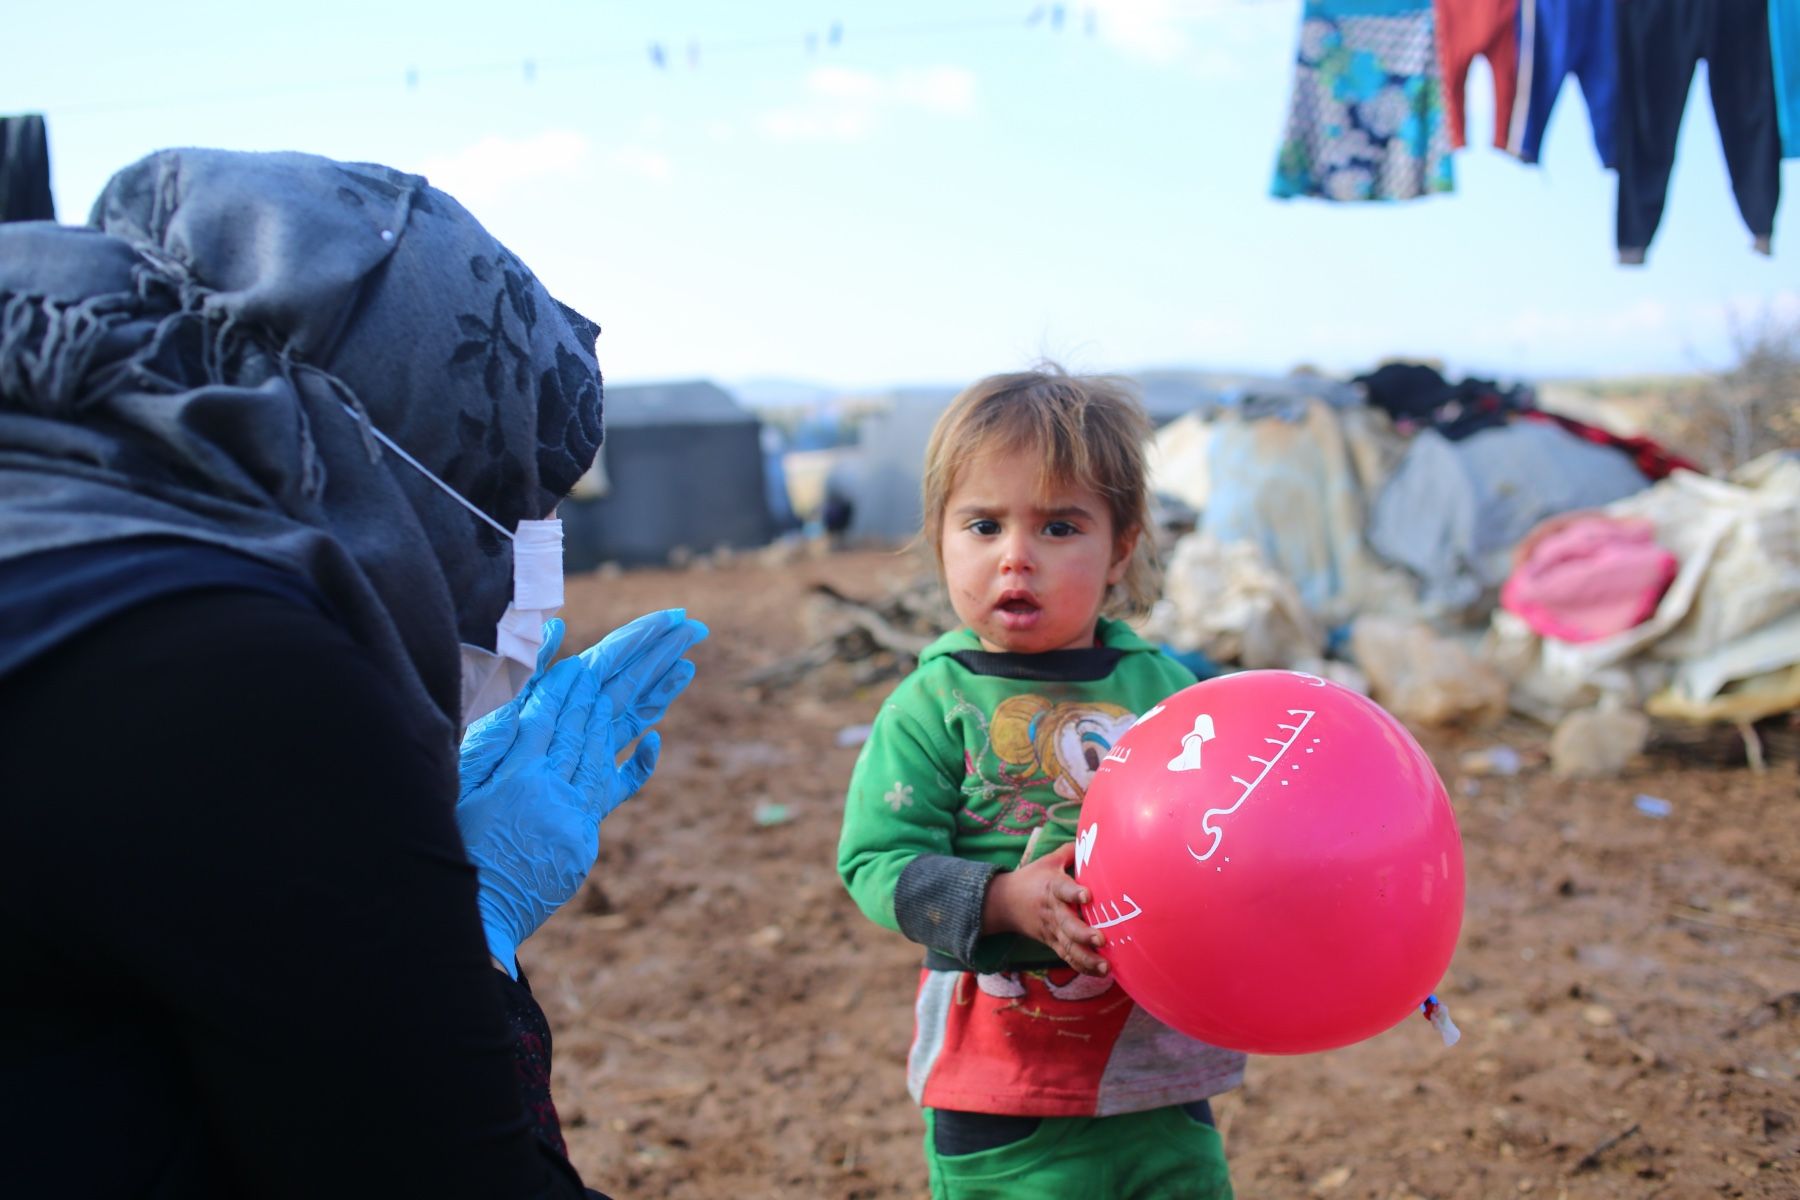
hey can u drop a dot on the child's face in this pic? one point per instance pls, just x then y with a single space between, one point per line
1028 570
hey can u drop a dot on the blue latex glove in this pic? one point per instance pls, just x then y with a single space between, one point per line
541 772
532 827
641 669
486 741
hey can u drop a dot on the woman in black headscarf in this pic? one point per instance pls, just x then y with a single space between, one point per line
271 431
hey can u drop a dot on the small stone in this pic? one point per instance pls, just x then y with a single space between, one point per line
1332 1180
1599 1016
1597 743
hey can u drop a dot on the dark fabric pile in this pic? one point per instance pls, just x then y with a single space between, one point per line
1418 397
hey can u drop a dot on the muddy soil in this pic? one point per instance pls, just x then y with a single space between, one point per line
728 1025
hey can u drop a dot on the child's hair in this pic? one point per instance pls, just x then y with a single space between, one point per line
1086 430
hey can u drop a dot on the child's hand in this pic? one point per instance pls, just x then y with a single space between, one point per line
1038 901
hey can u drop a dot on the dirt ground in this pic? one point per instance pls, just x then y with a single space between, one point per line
727 1023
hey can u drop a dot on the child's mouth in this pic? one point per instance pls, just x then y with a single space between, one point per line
1017 612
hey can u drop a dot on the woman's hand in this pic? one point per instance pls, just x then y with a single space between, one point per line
540 773
1040 900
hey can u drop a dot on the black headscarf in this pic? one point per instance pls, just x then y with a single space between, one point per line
207 359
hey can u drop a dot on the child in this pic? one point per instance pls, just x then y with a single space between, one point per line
1038 1077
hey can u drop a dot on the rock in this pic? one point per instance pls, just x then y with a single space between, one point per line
1331 1180
1424 678
1597 743
1599 1016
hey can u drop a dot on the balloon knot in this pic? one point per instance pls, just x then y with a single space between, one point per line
1433 1010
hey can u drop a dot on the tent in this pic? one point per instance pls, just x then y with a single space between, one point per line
881 479
682 467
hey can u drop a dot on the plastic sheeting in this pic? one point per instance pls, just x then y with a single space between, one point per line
1226 602
1453 511
1299 492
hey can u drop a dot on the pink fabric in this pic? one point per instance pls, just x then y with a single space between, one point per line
1586 576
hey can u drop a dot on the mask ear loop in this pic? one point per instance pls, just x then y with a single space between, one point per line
362 418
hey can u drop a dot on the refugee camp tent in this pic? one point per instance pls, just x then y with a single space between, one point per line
880 480
682 467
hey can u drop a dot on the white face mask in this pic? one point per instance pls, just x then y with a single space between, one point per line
492 677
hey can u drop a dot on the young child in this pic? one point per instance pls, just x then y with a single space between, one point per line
1038 1077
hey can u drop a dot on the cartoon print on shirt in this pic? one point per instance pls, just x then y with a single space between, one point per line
1031 741
1064 743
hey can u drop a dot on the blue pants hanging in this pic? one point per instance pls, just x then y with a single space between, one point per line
1558 38
1660 43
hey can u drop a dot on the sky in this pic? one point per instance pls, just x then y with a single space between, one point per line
882 193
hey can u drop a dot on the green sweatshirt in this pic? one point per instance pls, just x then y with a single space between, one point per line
965 760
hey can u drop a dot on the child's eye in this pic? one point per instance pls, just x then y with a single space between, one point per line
1061 529
985 526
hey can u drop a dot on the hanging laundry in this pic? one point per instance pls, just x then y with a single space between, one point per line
1660 42
1784 43
1465 29
1558 38
25 170
1367 117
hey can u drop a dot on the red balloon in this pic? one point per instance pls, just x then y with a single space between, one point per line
1274 862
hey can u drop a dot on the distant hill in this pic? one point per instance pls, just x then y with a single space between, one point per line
783 393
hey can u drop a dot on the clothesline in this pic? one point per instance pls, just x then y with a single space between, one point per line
666 54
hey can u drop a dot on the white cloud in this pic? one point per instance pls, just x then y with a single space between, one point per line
1215 40
948 91
1635 335
814 124
641 161
1571 328
844 105
1748 312
842 83
1142 28
1636 320
1219 332
1683 327
485 170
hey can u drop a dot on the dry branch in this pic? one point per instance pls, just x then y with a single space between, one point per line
1591 1159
